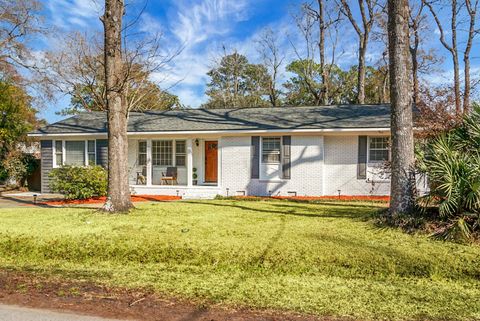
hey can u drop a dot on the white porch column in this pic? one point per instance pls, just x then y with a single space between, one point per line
189 163
149 162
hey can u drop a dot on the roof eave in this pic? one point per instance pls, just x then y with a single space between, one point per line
237 131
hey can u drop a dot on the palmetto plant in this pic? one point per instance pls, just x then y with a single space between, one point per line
452 164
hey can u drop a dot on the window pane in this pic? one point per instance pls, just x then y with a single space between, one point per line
180 147
162 152
142 147
142 153
271 149
75 153
91 159
180 150
91 146
379 149
142 159
180 160
270 158
58 159
379 155
58 146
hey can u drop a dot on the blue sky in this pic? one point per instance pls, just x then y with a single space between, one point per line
202 28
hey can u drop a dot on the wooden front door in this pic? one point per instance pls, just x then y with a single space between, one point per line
211 161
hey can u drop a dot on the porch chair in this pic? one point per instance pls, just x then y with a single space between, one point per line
142 176
170 176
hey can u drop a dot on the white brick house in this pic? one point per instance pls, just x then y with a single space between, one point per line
303 151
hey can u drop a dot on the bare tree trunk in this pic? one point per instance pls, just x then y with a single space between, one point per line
403 172
369 10
385 97
361 70
416 87
118 198
414 55
472 12
456 68
321 50
452 48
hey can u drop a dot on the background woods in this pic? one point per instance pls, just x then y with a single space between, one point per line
314 69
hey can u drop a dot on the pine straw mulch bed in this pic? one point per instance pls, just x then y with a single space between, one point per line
101 200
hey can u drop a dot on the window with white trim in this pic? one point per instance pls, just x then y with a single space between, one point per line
58 153
91 152
180 152
162 152
142 153
75 152
271 147
379 149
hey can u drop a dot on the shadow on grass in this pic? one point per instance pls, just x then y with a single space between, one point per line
22 202
258 260
339 211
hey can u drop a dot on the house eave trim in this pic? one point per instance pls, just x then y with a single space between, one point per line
209 132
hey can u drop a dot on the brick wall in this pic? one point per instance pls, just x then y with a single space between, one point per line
341 154
306 168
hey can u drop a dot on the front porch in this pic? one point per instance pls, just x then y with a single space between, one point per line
179 166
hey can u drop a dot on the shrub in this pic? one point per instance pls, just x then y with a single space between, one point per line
18 166
452 164
79 182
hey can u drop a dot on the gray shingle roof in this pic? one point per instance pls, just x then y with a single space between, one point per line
281 118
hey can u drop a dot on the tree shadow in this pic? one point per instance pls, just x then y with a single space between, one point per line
23 202
258 260
291 210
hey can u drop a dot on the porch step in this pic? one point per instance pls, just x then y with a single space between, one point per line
198 192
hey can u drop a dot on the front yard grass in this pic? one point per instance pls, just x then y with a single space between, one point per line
323 259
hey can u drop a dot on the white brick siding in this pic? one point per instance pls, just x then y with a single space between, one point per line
320 165
306 168
341 157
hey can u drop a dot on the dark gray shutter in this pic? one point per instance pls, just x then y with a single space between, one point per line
102 152
46 163
255 157
362 157
286 158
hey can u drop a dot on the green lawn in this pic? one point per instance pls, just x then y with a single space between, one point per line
325 259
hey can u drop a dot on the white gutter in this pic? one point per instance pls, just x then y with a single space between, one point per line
239 131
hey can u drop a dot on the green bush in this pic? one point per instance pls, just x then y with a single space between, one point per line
78 182
452 163
18 166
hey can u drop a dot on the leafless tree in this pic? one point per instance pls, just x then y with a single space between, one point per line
272 59
458 12
118 197
471 7
369 11
451 45
415 20
305 24
318 24
403 159
77 69
19 21
326 21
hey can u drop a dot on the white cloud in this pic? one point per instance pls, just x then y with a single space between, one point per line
194 24
70 14
190 97
198 29
150 25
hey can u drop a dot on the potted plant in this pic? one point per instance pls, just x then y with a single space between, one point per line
195 176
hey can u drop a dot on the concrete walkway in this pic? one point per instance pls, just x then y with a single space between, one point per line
23 199
16 313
